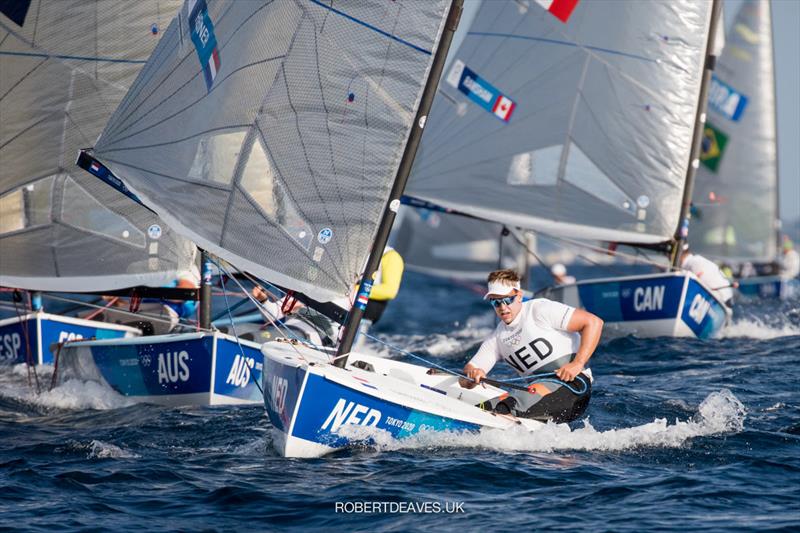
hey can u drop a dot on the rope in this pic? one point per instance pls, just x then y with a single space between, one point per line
530 379
31 365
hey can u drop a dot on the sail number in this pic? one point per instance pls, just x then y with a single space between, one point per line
10 343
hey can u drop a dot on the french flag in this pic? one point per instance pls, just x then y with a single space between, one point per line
212 68
561 9
503 108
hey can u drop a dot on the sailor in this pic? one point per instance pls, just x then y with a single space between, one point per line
386 285
709 273
535 337
314 327
560 276
790 262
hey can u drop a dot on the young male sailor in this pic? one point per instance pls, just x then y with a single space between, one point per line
534 337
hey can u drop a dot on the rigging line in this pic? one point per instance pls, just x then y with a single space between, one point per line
371 27
23 78
525 245
238 341
153 318
602 250
268 315
29 362
69 57
566 43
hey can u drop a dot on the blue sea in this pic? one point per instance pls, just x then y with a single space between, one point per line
680 435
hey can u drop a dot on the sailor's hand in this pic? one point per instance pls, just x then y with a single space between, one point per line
474 376
569 371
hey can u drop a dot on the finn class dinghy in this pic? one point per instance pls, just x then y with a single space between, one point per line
63 230
599 143
279 137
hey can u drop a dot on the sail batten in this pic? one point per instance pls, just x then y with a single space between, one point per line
270 132
569 127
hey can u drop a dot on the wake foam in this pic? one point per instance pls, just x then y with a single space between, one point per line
720 413
756 329
103 450
72 394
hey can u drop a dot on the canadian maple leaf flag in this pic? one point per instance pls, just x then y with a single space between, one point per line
561 9
503 108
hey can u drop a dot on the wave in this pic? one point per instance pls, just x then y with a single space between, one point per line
720 413
755 328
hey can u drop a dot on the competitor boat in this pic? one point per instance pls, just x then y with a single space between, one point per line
735 202
294 125
62 230
599 143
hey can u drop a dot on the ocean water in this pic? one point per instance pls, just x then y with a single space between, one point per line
680 435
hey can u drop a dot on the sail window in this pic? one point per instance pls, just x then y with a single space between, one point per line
81 210
538 167
584 174
27 206
216 157
260 182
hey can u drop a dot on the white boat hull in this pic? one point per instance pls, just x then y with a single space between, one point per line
315 407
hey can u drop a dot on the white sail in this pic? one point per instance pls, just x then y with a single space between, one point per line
453 246
579 128
270 132
735 196
64 66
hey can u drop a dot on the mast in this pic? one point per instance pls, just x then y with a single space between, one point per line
205 291
682 232
403 172
778 223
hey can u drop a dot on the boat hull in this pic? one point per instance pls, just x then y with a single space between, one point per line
314 406
768 287
34 338
654 305
180 369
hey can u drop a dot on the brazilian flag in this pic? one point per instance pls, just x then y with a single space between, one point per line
712 147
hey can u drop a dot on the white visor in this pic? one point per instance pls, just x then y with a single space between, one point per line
498 288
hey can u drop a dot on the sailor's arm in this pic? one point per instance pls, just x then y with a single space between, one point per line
485 358
590 327
391 276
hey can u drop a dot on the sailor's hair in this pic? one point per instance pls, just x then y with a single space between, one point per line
508 276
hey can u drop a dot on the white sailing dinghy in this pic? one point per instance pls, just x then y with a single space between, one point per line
735 217
63 72
63 230
598 141
286 154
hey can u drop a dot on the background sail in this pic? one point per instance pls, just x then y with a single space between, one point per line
736 188
64 66
580 128
270 132
453 246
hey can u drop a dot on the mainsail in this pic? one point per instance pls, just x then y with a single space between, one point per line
580 128
64 68
270 132
736 188
453 246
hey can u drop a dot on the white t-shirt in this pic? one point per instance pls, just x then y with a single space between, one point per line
791 264
710 274
537 337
